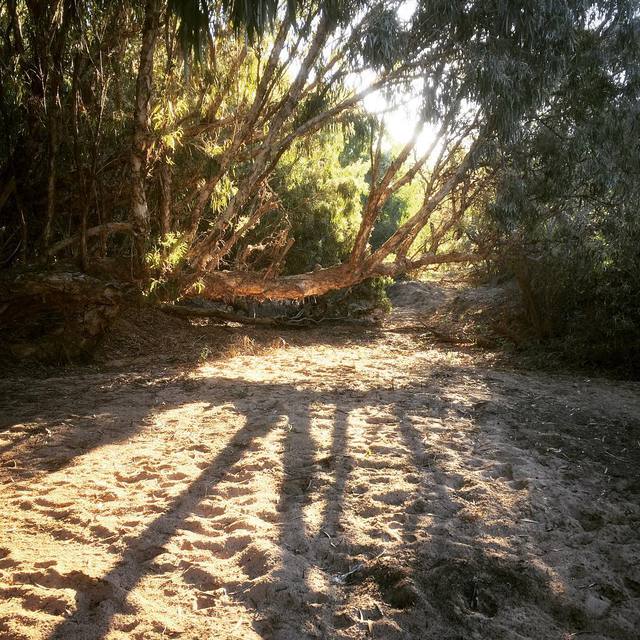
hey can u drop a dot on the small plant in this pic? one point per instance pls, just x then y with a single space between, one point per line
205 354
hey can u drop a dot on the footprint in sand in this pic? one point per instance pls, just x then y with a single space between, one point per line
101 531
6 562
395 498
43 502
234 545
239 525
215 546
235 491
268 516
209 510
499 472
63 534
451 480
590 520
196 524
45 564
108 496
386 450
55 605
257 562
87 587
55 514
372 463
178 475
371 511
131 479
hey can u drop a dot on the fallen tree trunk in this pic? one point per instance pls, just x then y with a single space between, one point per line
59 316
101 230
185 311
226 285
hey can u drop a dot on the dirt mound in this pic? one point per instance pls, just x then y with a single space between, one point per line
450 311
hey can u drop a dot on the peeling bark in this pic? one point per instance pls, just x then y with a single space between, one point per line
224 285
140 218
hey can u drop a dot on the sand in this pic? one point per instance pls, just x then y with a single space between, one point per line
335 483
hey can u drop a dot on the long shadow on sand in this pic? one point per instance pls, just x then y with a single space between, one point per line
447 592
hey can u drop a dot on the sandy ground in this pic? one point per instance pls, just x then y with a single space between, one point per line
339 483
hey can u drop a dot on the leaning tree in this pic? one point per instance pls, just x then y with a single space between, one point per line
140 143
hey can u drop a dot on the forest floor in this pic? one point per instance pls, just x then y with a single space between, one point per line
391 481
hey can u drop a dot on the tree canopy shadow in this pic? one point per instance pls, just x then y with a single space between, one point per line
428 560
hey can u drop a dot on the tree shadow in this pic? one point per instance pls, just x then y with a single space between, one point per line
437 577
101 599
134 563
51 427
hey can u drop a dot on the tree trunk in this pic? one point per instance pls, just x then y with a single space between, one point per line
226 285
166 197
140 218
55 64
51 176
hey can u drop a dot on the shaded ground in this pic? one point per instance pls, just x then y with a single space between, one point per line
343 482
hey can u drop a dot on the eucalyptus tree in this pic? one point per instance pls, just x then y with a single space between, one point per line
219 92
482 68
565 215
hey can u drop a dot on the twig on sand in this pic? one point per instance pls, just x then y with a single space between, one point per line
342 578
331 542
614 457
366 621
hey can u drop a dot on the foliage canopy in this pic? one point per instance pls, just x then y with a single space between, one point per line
221 147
